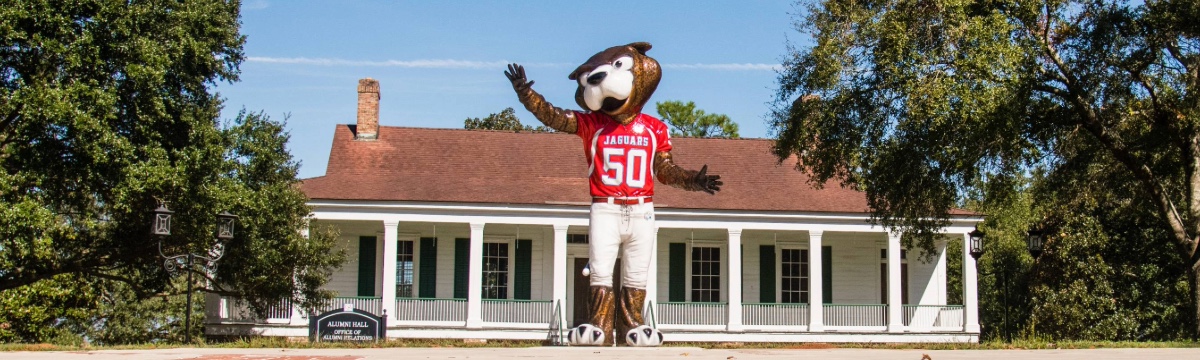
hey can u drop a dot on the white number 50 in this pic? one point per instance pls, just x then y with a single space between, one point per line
635 161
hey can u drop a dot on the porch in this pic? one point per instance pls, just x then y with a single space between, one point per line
517 278
684 321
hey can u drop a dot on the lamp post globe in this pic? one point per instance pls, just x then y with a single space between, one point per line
977 248
1035 241
161 224
225 225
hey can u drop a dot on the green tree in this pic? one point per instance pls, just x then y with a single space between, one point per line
106 109
920 102
505 120
38 311
686 120
1107 274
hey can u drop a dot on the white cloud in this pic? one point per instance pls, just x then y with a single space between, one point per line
255 5
469 64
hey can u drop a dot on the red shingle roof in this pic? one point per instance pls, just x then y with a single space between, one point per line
453 165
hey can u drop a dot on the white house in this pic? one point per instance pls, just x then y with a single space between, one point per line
482 234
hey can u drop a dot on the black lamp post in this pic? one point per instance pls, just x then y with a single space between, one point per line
162 227
1034 242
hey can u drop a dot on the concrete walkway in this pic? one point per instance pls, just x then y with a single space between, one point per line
578 353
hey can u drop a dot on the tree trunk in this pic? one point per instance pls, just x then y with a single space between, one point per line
1194 281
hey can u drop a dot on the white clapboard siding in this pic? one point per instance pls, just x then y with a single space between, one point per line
445 266
543 287
344 280
855 267
535 276
750 267
926 281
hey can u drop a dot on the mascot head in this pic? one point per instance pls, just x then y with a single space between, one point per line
617 81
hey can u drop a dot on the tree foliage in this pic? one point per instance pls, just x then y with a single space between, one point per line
37 312
920 102
106 110
506 120
686 120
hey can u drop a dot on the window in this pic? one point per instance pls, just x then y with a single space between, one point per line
883 277
706 274
404 269
793 276
495 270
577 238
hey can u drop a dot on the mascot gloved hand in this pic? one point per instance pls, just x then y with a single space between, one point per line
626 151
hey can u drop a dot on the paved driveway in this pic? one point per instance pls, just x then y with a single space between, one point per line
558 353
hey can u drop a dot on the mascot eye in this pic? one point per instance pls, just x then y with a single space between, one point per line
624 63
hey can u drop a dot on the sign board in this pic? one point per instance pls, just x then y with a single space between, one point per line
347 324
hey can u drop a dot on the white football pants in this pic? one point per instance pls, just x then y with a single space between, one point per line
616 227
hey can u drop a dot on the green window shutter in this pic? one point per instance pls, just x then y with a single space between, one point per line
827 273
675 276
462 254
428 266
523 272
366 266
766 274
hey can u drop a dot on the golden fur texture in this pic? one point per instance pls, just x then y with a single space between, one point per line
601 307
630 303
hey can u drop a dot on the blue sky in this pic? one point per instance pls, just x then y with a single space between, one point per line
440 62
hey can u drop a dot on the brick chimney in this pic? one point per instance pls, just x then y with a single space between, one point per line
368 110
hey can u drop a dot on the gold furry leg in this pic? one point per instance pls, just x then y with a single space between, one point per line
629 310
601 307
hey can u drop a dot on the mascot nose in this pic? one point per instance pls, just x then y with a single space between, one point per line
597 78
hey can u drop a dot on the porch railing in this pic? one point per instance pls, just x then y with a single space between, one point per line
692 313
409 309
237 310
933 316
774 314
369 304
650 316
557 327
518 311
855 314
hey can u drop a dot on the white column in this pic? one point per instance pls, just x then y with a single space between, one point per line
970 290
939 273
894 324
475 278
560 270
816 282
735 281
389 268
652 275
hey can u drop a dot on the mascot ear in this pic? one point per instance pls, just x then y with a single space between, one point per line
641 47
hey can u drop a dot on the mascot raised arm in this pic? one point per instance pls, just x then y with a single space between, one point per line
626 151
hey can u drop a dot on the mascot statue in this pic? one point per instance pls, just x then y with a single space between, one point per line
626 151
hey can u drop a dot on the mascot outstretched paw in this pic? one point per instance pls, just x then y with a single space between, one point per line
586 335
644 336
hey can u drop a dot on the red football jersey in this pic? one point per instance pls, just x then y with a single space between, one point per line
621 157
